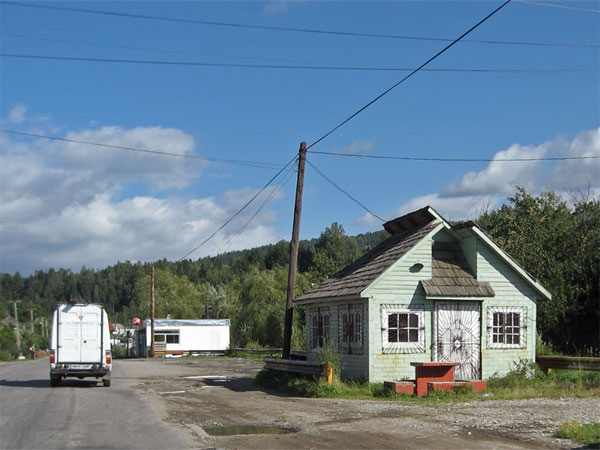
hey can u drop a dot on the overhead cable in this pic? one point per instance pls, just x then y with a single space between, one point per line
262 165
282 66
239 211
184 52
348 119
260 208
420 158
554 5
335 185
286 29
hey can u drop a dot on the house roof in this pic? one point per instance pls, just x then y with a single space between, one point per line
451 274
354 278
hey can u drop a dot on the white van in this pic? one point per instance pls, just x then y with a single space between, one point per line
80 343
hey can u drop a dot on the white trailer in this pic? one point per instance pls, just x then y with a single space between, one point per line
80 343
179 336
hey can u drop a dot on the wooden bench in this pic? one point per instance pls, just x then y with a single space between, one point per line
301 367
567 362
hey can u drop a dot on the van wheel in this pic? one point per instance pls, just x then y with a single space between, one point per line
54 381
106 382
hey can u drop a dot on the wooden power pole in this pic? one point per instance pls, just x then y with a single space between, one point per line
17 331
152 313
31 319
289 307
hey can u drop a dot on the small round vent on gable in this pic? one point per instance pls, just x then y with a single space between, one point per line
416 267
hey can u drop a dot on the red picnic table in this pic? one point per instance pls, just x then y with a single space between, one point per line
426 372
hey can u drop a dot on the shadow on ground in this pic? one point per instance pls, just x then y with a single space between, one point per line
45 383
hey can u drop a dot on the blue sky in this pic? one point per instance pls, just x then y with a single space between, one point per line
67 204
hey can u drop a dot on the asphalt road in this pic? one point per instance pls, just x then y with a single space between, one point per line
82 413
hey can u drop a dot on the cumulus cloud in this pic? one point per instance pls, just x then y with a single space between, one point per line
477 191
67 204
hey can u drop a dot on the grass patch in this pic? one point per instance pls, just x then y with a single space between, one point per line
525 381
586 433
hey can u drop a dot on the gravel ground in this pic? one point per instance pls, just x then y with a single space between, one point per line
207 392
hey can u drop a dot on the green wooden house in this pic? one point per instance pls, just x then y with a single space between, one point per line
431 292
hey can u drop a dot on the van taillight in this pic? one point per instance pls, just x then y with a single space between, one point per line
52 356
108 357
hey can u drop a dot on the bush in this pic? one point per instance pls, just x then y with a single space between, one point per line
6 356
119 352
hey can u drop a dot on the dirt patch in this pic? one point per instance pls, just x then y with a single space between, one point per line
219 392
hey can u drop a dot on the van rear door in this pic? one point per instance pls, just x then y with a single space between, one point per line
80 328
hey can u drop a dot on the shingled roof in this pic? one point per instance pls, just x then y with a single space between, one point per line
451 275
356 277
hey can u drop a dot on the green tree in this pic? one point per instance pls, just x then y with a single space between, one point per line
174 296
559 245
333 251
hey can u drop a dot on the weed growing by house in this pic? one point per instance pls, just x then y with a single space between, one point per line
328 353
586 433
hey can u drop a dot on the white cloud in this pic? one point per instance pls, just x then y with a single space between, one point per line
487 188
358 147
579 173
17 114
67 204
274 7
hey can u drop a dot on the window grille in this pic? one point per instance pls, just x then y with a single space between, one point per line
350 328
402 329
319 330
506 327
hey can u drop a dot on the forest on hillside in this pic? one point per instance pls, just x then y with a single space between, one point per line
556 241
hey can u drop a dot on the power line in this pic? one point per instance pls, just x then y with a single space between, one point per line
420 158
260 208
282 66
262 165
287 29
239 211
348 119
554 5
335 185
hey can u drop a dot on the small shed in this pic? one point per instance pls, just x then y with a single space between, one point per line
178 336
432 292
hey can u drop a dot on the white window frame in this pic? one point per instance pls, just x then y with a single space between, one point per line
351 341
316 315
402 347
162 337
499 329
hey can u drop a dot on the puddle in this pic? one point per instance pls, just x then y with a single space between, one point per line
247 429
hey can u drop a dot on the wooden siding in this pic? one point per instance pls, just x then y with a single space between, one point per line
399 286
511 291
354 366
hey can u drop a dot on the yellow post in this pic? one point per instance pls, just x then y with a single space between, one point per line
329 372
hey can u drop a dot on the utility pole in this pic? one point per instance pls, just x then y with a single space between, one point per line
31 319
17 331
289 306
152 313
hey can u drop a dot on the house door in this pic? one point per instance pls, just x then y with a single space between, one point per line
457 337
